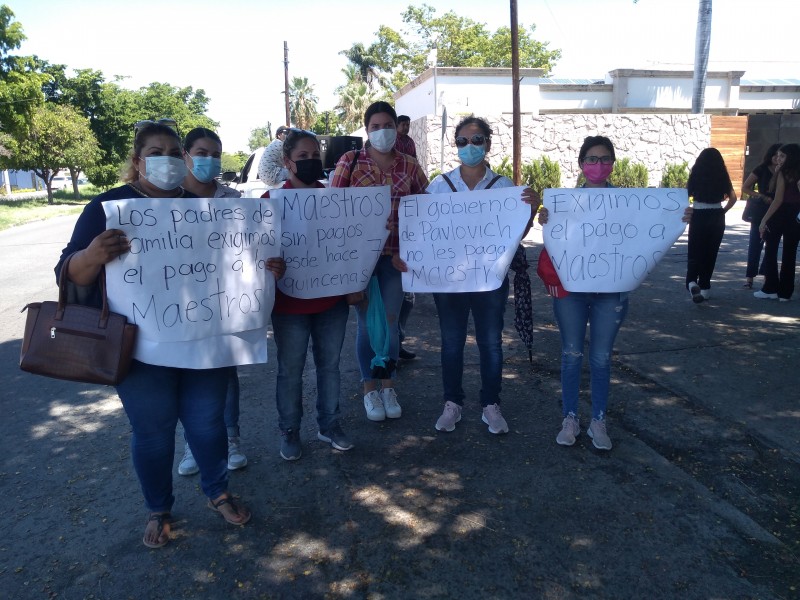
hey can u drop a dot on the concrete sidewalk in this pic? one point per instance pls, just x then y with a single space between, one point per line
698 498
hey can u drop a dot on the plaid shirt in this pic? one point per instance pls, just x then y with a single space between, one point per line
405 144
405 179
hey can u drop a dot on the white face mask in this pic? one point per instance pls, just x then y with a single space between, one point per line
165 172
383 139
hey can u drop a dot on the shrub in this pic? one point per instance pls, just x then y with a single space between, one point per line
434 174
628 175
541 173
505 168
675 175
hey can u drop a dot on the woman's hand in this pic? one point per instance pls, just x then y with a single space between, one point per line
277 265
399 264
530 196
107 246
687 214
543 215
763 229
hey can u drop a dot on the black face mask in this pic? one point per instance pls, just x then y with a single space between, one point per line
309 170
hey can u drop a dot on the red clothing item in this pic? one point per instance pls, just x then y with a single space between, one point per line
405 179
405 144
288 305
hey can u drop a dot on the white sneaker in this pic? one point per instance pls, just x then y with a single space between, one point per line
390 405
763 296
188 465
706 294
570 428
236 460
494 419
450 416
374 406
597 431
696 292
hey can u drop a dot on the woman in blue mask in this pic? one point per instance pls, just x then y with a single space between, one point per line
473 140
202 152
156 397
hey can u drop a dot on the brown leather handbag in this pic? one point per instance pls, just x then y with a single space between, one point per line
76 342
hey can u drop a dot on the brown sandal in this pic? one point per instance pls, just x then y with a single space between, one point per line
238 513
161 519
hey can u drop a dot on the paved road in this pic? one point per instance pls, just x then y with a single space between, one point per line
698 499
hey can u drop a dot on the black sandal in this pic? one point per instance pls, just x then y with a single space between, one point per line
159 518
235 507
748 285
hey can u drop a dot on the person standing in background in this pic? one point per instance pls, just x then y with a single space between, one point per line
405 145
270 169
404 142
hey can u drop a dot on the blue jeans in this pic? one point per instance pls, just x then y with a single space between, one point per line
604 313
754 246
292 332
232 403
155 398
487 309
391 284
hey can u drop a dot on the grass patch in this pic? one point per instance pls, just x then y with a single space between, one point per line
18 212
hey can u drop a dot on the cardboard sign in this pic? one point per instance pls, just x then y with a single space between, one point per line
331 238
610 239
460 241
196 280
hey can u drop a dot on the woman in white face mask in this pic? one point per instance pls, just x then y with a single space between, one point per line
156 397
380 164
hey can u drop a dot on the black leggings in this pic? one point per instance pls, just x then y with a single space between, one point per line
705 236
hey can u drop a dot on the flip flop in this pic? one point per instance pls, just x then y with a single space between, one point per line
160 518
235 507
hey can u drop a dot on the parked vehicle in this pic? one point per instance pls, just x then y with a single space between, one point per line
247 181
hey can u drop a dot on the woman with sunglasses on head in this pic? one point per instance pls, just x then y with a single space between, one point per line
473 139
155 397
295 321
604 313
202 150
380 164
780 225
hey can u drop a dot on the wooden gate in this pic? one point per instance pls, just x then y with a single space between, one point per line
729 136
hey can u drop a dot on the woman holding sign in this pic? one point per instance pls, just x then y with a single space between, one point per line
295 321
380 164
202 150
473 139
156 397
603 312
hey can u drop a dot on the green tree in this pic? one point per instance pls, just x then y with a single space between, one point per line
302 103
58 138
365 62
233 161
260 136
328 123
354 99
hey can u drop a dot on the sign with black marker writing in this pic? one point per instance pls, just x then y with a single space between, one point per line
610 239
195 280
331 238
460 241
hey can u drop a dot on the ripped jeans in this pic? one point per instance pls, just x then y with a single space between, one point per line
604 314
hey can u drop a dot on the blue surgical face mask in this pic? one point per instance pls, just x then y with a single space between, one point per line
165 172
383 139
471 155
206 168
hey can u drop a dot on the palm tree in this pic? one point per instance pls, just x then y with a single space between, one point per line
364 61
302 103
354 99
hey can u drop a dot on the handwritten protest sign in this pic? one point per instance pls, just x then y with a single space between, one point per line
195 280
460 242
610 239
331 238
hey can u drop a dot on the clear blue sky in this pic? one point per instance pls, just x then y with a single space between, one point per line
234 49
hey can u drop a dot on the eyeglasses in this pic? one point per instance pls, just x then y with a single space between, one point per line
476 140
593 160
142 124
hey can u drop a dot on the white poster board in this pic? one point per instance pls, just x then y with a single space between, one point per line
460 241
195 281
610 239
331 238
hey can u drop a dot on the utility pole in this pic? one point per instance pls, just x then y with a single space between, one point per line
516 121
286 80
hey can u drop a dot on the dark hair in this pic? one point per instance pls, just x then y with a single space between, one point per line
790 171
473 120
145 133
379 107
293 138
591 142
403 119
709 180
199 133
769 154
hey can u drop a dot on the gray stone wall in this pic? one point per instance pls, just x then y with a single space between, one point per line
651 139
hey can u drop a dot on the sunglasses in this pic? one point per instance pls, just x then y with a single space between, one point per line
476 140
593 160
142 124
